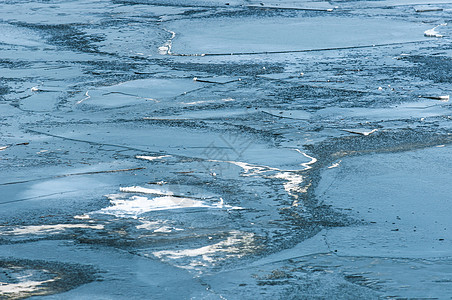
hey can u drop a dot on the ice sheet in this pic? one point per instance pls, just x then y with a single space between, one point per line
234 36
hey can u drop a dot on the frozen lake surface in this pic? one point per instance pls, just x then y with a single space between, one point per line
206 149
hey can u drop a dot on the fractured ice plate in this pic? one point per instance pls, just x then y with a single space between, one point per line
43 13
187 142
409 110
388 3
230 35
290 4
45 101
188 3
427 8
138 91
407 200
19 36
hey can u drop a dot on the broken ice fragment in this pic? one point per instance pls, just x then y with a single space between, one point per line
218 80
427 9
433 33
163 50
48 229
442 98
365 133
7 146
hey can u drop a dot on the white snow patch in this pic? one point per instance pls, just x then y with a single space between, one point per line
433 33
198 102
151 158
48 229
307 165
137 205
293 184
142 190
87 96
335 165
165 49
21 287
132 207
294 179
237 245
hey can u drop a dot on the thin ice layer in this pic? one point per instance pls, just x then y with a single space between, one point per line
226 36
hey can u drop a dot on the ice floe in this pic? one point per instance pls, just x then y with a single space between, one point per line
137 91
19 36
295 180
226 36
